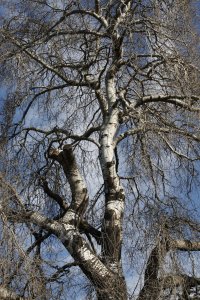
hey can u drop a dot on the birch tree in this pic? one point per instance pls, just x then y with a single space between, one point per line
100 143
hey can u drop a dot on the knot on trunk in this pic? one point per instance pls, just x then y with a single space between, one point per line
66 153
54 153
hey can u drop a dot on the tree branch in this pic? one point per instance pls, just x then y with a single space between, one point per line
184 245
51 68
67 160
127 133
61 202
67 134
173 99
60 271
68 234
179 280
93 14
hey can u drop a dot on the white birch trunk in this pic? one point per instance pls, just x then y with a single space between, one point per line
114 193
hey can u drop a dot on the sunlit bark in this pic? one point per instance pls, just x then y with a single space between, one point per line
100 134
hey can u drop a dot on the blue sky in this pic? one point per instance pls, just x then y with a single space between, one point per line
3 94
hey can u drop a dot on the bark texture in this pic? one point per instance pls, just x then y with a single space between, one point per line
99 133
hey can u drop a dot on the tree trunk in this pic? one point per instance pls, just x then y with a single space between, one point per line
115 290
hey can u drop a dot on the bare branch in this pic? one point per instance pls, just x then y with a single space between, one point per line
173 99
61 202
185 245
62 271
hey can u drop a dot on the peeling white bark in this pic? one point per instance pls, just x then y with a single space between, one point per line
116 205
78 187
110 89
114 193
91 265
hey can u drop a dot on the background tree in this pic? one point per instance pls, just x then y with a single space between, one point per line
100 136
